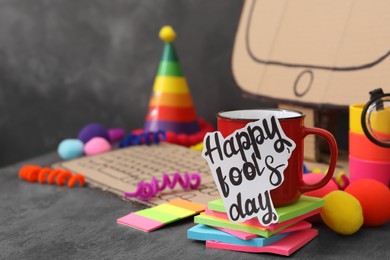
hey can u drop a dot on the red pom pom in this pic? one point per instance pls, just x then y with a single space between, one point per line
199 137
374 197
193 139
170 137
202 122
182 139
137 131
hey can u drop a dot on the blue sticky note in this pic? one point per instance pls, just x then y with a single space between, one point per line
204 233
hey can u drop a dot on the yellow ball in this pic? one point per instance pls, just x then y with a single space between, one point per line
342 212
197 147
167 34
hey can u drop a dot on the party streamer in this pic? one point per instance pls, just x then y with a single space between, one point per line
145 190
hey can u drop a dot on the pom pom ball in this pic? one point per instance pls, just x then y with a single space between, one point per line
97 145
342 180
171 137
70 149
311 178
116 134
342 212
374 197
92 130
182 139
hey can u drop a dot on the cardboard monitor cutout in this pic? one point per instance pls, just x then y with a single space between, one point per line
313 51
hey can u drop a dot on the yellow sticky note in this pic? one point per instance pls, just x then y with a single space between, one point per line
160 216
173 210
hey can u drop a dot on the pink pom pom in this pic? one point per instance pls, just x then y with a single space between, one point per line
97 145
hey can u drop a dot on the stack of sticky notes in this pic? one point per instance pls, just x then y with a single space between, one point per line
158 216
283 238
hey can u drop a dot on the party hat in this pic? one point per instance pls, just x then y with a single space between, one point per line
171 108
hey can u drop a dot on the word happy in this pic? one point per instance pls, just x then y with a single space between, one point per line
247 165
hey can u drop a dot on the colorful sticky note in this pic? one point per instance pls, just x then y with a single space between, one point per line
246 236
285 246
159 216
204 233
224 223
139 222
240 234
272 227
212 218
294 227
163 214
185 204
173 210
304 205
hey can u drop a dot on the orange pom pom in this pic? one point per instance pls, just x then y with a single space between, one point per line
374 197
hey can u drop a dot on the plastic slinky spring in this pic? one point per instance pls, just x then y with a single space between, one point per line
146 191
33 173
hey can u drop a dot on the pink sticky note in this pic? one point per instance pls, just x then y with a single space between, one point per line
246 236
286 246
139 222
297 226
240 234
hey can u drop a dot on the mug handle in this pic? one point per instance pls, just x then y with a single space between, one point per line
333 157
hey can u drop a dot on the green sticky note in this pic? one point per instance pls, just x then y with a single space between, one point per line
216 205
304 205
173 210
163 217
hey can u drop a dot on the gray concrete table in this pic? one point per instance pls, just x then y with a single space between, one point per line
50 222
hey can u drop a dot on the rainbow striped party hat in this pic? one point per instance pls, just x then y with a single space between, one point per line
171 108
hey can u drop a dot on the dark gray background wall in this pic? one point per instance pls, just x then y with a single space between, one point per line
65 63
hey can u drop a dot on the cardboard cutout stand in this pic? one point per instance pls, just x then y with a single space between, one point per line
322 55
328 53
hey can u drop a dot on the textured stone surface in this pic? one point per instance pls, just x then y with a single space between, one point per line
51 222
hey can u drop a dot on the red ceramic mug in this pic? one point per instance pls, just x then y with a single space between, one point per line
292 123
